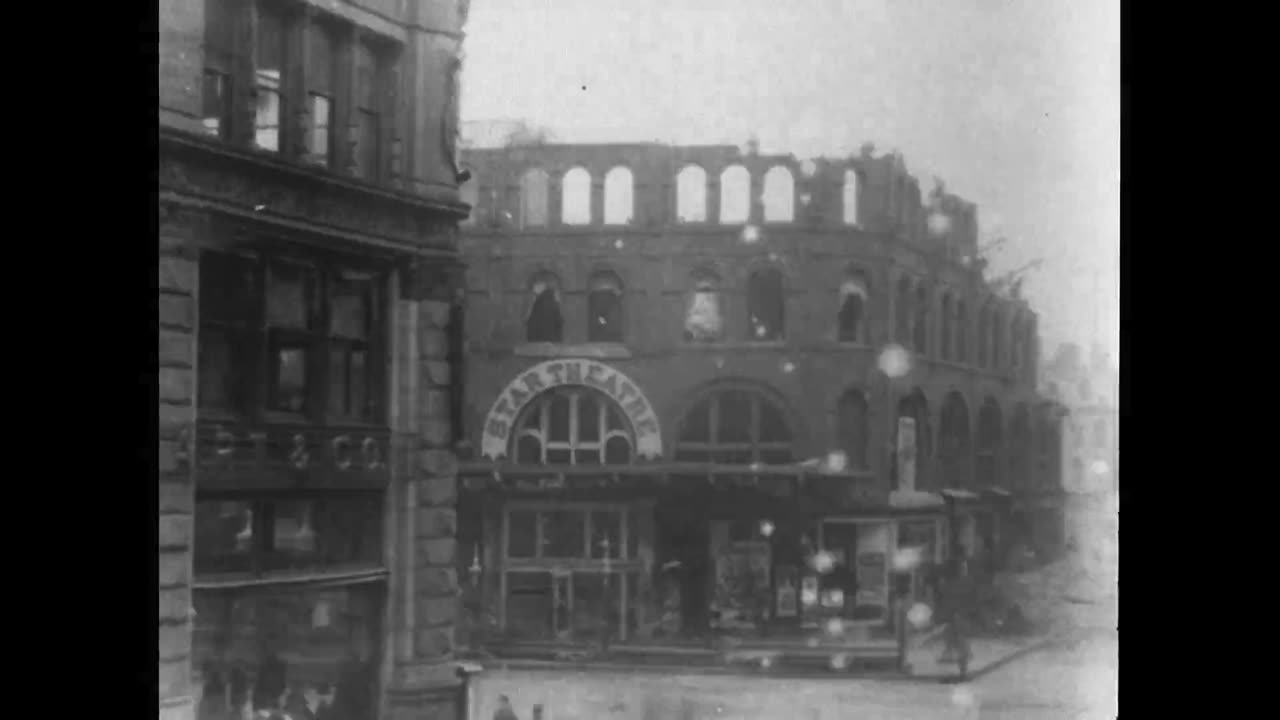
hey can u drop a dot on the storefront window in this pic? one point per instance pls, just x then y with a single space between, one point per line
574 585
924 535
309 652
238 535
563 534
857 585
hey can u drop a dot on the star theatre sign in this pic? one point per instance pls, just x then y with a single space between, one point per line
556 373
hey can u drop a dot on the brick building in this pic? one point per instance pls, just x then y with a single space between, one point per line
681 389
308 210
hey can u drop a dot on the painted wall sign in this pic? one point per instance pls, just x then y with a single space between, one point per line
555 373
239 456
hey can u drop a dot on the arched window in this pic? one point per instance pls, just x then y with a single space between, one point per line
962 332
691 195
850 197
921 327
545 323
604 308
852 428
1020 448
853 300
944 349
703 321
779 195
990 435
572 425
1015 344
912 464
619 191
535 198
735 427
902 314
575 205
470 192
998 330
984 336
1044 437
735 195
954 449
766 306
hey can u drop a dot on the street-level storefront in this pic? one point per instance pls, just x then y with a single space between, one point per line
574 531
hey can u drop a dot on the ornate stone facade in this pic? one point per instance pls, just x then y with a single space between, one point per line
220 195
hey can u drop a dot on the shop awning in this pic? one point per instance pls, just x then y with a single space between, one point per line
500 470
958 494
915 500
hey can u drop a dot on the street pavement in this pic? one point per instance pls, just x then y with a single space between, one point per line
1069 680
1075 680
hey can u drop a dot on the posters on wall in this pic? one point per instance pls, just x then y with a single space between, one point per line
742 583
788 592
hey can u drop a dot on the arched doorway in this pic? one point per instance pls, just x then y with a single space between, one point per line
723 534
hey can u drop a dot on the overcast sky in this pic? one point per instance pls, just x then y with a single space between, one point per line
1014 103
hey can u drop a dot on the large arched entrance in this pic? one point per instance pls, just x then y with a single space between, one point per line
555 547
721 529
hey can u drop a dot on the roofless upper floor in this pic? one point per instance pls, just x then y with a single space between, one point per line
533 188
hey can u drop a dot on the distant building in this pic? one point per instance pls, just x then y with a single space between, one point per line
308 211
680 391
1088 387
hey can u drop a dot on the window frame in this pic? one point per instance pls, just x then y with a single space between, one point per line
624 570
704 283
265 562
762 283
753 445
606 288
541 408
551 286
280 85
322 84
256 403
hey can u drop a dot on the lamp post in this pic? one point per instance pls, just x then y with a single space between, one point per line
606 620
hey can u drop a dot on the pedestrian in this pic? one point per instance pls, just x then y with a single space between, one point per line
504 711
955 607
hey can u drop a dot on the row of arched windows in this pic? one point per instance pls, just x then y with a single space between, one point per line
739 424
704 311
999 341
777 197
964 458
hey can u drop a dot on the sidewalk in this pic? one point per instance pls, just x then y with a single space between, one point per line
987 655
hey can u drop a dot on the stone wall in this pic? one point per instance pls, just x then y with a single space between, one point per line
176 301
423 682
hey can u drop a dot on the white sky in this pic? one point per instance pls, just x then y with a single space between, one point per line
1014 103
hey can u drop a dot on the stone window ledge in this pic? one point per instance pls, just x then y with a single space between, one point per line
599 351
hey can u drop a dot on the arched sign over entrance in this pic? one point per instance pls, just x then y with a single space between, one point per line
555 373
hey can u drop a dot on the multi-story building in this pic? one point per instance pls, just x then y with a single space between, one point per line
1089 390
308 210
711 390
